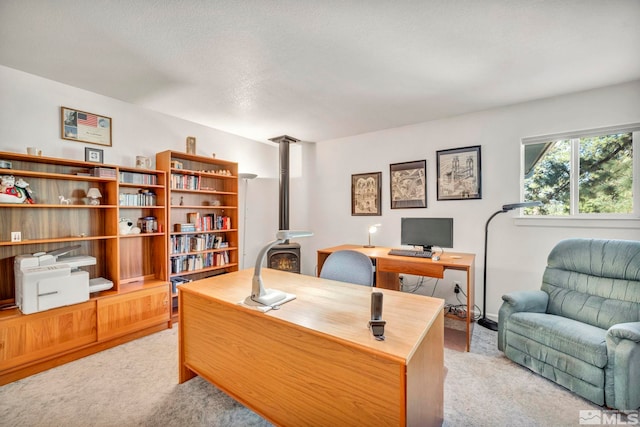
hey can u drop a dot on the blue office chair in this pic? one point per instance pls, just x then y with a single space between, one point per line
348 266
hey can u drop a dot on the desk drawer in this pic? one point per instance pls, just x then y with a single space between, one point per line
417 267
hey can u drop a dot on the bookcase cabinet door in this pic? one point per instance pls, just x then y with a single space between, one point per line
127 313
28 338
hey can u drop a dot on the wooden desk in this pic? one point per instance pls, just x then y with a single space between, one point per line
388 267
314 361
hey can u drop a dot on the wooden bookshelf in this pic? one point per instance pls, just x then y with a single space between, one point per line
204 188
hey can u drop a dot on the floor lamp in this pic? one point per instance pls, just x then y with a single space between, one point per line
488 323
245 177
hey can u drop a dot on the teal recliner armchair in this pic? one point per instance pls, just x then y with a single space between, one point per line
582 329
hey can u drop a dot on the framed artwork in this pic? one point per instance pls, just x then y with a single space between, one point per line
191 145
459 173
85 127
94 155
366 194
408 184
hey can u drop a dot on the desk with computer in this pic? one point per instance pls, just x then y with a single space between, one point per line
424 235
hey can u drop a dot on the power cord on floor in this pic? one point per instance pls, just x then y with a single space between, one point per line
460 310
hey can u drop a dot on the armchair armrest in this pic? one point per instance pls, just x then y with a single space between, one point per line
531 301
625 331
623 368
518 301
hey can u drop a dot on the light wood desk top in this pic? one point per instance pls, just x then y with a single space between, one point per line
389 267
314 361
448 260
340 310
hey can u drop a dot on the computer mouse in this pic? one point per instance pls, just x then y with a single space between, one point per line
435 258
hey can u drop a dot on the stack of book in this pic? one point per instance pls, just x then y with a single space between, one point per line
104 172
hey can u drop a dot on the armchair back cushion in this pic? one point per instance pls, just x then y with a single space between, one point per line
594 281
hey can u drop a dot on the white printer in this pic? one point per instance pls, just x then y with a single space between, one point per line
43 282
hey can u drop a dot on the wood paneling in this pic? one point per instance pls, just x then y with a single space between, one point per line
122 314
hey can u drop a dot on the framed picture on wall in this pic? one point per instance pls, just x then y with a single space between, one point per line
408 184
85 127
366 194
94 155
459 173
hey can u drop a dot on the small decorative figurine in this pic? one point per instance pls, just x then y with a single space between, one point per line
64 201
15 191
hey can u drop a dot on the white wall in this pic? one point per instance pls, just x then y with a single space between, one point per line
517 254
321 173
30 116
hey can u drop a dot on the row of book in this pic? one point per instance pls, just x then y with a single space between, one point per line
206 222
138 178
195 243
185 182
182 263
146 198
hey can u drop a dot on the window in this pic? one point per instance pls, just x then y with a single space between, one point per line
590 173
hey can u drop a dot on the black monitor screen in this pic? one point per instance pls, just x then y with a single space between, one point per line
427 232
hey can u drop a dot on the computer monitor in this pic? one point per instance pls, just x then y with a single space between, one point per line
427 232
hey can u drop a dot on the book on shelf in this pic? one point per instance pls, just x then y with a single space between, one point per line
184 228
104 172
184 182
194 262
183 243
141 198
138 178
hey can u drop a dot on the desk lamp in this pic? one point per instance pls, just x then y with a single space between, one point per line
488 323
372 229
271 297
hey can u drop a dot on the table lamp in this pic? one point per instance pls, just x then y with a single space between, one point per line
488 323
372 229
272 297
94 195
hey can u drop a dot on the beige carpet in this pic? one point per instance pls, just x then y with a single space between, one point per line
135 384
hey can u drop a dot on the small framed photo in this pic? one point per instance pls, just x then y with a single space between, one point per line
408 184
459 173
94 155
366 194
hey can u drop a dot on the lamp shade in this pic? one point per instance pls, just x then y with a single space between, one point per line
94 193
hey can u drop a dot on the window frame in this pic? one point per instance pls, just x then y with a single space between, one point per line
605 220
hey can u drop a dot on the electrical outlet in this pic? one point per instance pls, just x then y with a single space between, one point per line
456 287
16 236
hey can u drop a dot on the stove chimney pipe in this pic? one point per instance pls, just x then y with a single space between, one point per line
284 141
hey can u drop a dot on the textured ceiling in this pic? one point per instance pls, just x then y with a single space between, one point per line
321 70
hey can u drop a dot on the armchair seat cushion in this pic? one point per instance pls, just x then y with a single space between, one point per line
579 340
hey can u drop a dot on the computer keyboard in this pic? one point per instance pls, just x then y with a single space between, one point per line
410 252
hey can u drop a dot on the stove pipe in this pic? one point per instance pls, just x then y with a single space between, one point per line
283 193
